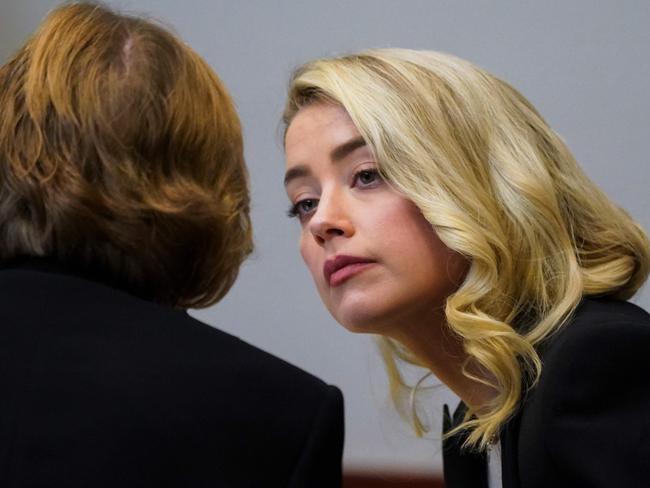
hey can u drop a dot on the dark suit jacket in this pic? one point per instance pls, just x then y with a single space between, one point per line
99 388
587 422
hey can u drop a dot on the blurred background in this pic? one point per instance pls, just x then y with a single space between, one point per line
584 64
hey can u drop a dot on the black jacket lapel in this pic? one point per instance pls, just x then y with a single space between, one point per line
463 468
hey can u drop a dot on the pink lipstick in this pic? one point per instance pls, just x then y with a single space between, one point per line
341 268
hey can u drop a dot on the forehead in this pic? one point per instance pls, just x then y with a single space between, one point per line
318 127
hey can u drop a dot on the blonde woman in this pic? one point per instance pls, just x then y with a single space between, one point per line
440 211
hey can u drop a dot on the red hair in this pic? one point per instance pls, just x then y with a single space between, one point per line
121 156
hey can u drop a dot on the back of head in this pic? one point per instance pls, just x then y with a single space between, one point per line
121 157
500 187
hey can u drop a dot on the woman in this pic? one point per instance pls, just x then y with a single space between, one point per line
441 212
124 201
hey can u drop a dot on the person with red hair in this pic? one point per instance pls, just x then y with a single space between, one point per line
124 201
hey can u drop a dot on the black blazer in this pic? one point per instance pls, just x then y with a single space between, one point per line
587 422
99 388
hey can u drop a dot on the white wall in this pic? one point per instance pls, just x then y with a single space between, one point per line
584 64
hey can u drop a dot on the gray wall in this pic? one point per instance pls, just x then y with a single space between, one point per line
584 64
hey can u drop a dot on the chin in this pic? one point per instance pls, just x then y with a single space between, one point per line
361 313
360 321
358 328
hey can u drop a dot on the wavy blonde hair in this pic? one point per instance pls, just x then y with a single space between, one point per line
121 156
500 187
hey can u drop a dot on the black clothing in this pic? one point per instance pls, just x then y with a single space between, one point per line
99 388
587 422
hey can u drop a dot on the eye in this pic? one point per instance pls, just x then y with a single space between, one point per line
367 178
303 207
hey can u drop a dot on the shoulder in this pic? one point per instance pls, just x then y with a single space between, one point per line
603 345
247 364
255 399
596 327
597 317
593 396
148 337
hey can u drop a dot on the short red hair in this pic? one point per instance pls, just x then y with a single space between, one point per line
121 156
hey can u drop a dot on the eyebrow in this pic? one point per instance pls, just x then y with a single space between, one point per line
296 172
346 148
337 154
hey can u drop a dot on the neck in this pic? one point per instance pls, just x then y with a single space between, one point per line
440 350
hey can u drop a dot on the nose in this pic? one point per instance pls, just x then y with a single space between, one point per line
331 219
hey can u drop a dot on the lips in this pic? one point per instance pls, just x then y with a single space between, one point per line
341 268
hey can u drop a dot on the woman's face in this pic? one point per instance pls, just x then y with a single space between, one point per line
377 263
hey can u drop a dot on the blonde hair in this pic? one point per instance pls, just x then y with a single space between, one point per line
500 187
121 156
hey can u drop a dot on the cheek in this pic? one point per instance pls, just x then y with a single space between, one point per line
312 256
424 257
404 228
